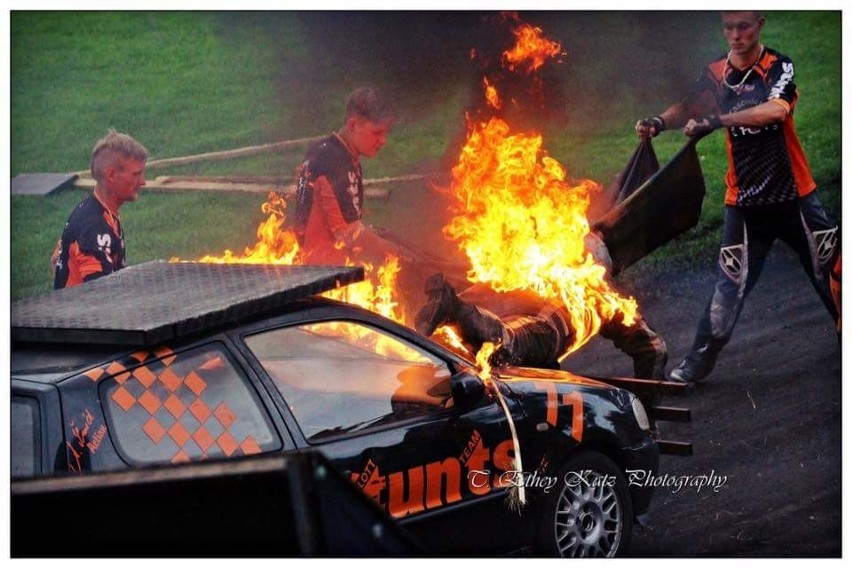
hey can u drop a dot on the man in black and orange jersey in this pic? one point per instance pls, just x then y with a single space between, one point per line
770 190
92 243
330 188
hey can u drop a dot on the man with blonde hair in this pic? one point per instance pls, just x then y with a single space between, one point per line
92 243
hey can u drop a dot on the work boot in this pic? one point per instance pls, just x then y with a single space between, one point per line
696 367
440 307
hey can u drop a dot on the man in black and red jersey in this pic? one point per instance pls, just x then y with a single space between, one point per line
92 243
770 191
330 188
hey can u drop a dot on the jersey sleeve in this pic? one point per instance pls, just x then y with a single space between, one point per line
780 81
329 200
91 252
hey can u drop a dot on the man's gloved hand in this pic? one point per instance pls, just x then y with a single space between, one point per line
650 126
704 125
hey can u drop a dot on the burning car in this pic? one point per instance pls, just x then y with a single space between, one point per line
171 363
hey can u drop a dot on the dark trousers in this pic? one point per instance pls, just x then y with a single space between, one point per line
539 340
748 236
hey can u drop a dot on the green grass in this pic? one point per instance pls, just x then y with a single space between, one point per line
190 82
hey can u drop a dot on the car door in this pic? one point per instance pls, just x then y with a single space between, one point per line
380 407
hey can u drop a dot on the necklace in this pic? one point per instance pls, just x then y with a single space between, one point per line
114 219
728 65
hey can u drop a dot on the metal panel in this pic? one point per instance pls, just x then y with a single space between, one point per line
160 301
40 184
275 506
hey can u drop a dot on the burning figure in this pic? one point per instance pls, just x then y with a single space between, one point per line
540 292
529 330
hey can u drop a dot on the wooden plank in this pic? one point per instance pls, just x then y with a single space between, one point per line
228 154
279 180
671 448
671 414
165 184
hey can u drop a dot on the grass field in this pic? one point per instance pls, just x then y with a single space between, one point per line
190 82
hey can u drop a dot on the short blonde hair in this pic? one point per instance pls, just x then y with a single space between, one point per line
110 148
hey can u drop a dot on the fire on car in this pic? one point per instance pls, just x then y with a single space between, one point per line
213 362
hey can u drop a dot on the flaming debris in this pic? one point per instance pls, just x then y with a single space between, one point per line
491 95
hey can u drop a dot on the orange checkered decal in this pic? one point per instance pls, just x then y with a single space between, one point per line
183 407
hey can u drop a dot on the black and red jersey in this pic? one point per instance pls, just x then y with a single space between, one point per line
765 165
92 245
329 198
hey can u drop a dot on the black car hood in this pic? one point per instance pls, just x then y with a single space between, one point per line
539 392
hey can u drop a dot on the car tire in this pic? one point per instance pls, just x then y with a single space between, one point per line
589 512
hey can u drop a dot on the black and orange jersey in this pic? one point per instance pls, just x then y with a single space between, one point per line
765 165
92 245
329 197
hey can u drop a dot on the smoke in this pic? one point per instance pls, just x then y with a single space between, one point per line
644 60
615 63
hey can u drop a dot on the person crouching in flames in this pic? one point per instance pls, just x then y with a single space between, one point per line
530 330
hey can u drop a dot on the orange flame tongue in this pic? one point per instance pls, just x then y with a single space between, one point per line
531 49
275 245
377 292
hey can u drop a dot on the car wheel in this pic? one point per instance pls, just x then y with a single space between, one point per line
589 511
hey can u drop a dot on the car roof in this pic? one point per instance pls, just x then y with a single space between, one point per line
158 301
48 363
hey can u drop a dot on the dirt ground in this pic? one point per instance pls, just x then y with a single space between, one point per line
768 418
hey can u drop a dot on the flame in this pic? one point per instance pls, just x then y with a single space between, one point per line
531 49
491 95
521 222
482 360
377 293
277 245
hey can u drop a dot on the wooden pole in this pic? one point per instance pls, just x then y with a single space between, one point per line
227 154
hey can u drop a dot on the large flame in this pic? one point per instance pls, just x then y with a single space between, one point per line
518 218
521 222
278 245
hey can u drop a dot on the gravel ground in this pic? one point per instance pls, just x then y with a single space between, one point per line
768 419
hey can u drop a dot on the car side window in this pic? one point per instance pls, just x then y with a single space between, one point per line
344 376
26 437
187 406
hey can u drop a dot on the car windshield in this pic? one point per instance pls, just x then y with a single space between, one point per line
340 376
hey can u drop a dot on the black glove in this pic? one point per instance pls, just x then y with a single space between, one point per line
705 125
652 126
